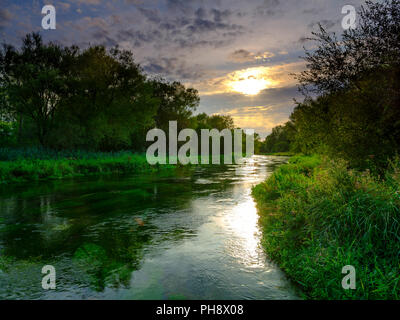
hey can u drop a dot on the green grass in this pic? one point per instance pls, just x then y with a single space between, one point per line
283 154
318 216
32 169
31 164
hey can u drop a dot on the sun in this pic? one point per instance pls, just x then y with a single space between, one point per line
249 81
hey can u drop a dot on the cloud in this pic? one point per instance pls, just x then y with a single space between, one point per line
139 38
64 5
269 8
270 108
241 55
327 24
277 76
260 118
201 43
151 14
312 11
5 17
172 68
88 2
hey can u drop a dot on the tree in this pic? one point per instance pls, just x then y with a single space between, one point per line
176 103
336 63
110 102
33 82
279 140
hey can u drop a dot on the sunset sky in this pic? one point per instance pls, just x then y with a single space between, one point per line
238 54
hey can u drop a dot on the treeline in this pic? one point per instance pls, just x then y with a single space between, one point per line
91 99
351 85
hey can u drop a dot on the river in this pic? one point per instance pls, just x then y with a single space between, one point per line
191 234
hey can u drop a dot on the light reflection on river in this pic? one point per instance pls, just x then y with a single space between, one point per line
191 235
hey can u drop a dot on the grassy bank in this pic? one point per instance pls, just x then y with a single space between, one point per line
32 164
283 154
318 216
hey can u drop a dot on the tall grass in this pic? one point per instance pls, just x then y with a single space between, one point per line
35 164
319 215
40 153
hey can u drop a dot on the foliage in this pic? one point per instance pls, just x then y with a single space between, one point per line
319 216
360 124
7 133
93 98
279 140
335 63
59 167
40 153
353 112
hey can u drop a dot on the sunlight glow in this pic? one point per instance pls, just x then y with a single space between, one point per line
250 81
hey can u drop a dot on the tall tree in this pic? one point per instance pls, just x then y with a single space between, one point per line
33 82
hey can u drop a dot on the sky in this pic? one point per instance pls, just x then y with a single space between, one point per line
240 55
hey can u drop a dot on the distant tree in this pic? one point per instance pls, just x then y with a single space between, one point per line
279 140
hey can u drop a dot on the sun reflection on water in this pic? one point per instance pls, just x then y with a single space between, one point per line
243 221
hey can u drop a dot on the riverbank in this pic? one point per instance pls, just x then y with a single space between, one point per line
283 154
33 166
318 216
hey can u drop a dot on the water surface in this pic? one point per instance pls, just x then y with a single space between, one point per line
191 234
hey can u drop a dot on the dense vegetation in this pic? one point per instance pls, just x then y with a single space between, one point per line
91 99
38 169
319 215
352 93
59 103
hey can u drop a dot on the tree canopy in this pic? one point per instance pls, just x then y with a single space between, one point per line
351 108
92 98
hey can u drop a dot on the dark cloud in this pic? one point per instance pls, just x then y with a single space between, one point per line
195 43
269 8
200 28
180 5
220 15
201 13
203 25
102 37
151 14
173 68
138 38
241 56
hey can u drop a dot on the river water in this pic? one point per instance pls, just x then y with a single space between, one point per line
191 234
